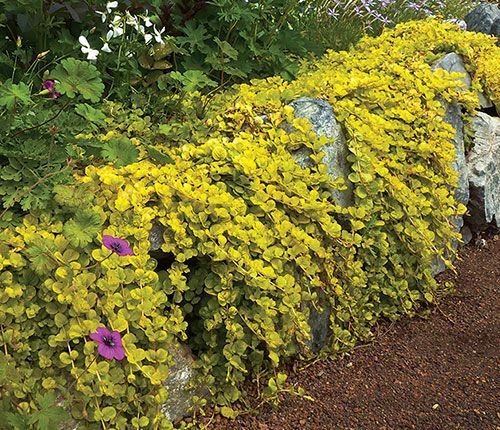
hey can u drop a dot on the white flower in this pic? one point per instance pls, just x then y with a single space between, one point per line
103 15
86 49
116 28
117 31
106 47
158 34
147 22
132 20
111 5
148 37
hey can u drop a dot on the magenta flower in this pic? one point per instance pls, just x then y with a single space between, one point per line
50 86
110 344
117 245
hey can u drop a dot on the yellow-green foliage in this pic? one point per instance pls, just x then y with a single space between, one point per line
254 236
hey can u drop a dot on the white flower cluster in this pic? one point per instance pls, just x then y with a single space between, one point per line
117 24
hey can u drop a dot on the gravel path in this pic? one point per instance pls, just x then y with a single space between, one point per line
438 373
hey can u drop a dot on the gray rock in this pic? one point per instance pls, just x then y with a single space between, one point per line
453 116
453 63
484 101
182 385
460 22
495 29
324 123
482 19
466 234
156 236
319 322
483 163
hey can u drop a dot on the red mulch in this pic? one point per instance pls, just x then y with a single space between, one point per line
438 373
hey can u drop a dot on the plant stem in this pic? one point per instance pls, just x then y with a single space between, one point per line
41 180
64 106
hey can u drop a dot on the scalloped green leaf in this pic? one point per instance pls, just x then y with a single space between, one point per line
83 228
120 151
78 77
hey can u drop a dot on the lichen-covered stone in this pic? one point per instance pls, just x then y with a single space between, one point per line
453 116
483 162
156 236
495 29
322 118
483 18
319 322
453 63
181 384
466 234
324 123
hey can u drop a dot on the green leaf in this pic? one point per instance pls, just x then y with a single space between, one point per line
15 420
195 36
39 253
227 49
78 77
228 412
49 416
158 156
10 94
193 80
90 113
120 151
83 228
108 413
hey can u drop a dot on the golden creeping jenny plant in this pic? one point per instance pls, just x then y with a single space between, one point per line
252 237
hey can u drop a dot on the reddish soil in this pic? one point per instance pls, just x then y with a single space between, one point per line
437 373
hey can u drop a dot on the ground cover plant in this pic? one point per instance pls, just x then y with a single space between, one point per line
87 315
148 56
111 124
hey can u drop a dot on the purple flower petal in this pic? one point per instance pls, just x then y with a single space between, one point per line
110 343
99 334
117 339
48 85
119 246
108 352
119 353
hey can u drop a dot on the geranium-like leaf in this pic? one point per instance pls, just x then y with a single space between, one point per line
120 151
10 94
15 420
49 416
192 80
83 228
90 113
78 77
